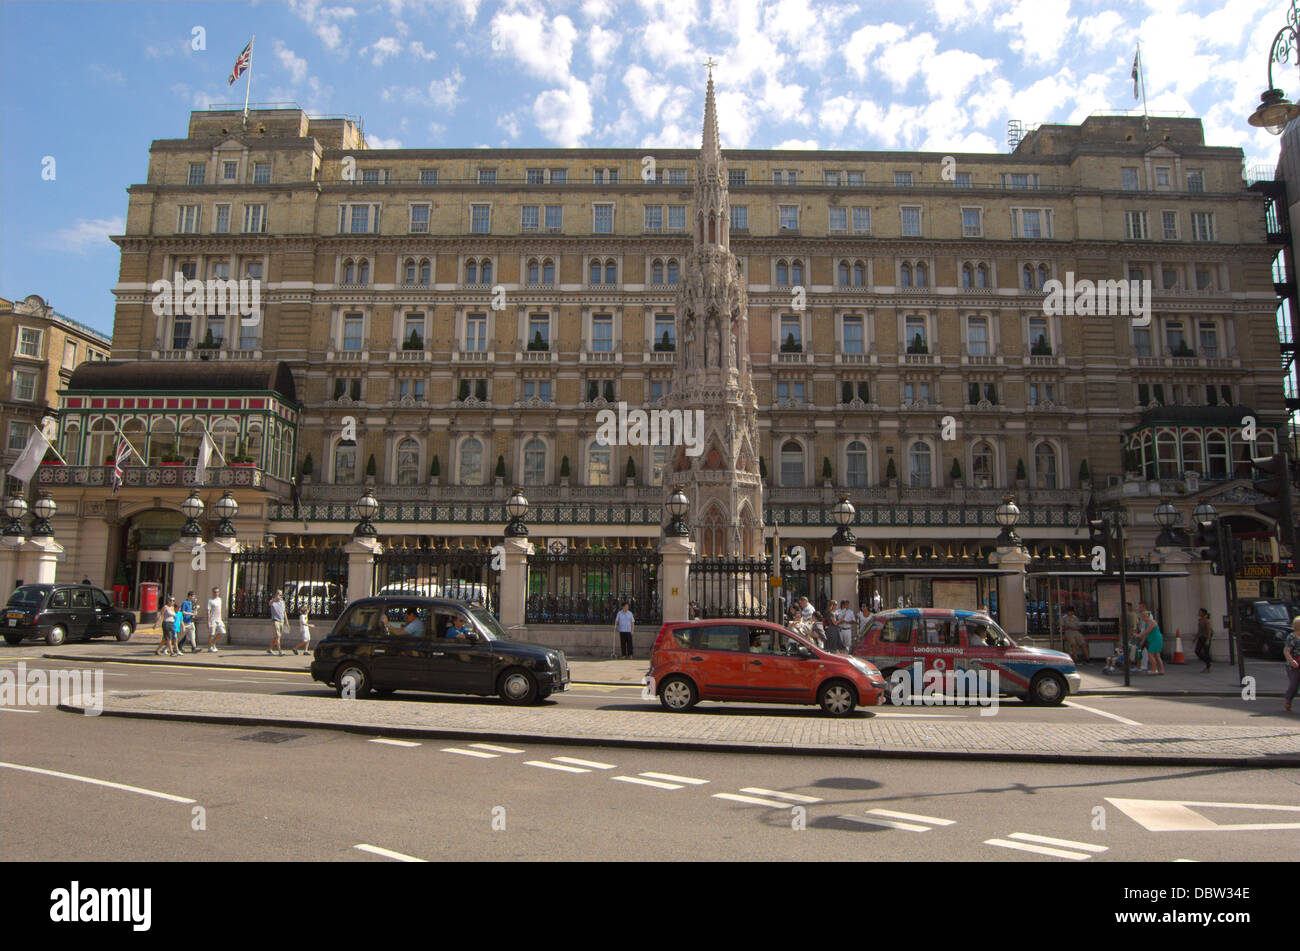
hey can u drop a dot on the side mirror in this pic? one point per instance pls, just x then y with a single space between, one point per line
805 653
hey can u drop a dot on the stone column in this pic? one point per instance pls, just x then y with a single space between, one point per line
845 563
674 577
1011 590
10 565
184 575
514 583
361 565
39 561
1207 590
220 558
1178 604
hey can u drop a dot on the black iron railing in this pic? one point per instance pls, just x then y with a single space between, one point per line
727 588
587 586
464 574
317 577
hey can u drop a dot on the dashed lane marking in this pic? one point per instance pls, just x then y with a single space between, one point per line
647 782
583 762
669 777
388 742
16 710
388 853
494 749
1102 713
559 766
912 817
1065 843
1038 849
887 823
792 797
452 749
751 800
97 782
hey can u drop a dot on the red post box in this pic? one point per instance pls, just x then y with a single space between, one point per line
149 602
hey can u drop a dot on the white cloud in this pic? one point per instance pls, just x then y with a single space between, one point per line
89 234
601 44
596 9
836 113
377 142
442 92
865 41
323 20
950 73
900 61
294 64
541 50
418 49
647 95
564 115
383 48
805 144
1102 29
963 12
509 124
1040 28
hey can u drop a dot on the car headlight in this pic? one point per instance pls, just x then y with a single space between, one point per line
860 665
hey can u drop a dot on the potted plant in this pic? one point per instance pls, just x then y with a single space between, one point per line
629 472
241 458
918 344
762 468
435 470
500 474
891 473
537 343
1085 477
826 471
413 342
666 344
371 469
1021 478
955 474
564 471
791 345
1182 350
207 344
1132 467
308 466
1041 347
52 460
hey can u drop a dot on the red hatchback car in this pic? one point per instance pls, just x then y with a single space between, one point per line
755 661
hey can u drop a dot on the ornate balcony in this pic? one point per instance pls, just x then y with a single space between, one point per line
160 477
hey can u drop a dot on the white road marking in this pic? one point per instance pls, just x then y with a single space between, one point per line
452 749
388 853
1038 849
887 823
751 800
225 680
1176 815
583 762
647 782
912 816
921 716
669 777
389 742
793 797
559 766
1102 713
16 710
97 782
1048 840
494 749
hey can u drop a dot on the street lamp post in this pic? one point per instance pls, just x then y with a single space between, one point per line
226 508
192 508
1275 110
366 508
1007 515
15 511
517 508
842 512
677 506
44 510
1166 517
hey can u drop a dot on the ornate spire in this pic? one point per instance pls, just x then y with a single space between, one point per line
711 147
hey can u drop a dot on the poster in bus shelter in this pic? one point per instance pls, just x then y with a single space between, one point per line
1108 600
956 595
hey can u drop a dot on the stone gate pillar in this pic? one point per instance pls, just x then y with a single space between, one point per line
1011 590
674 577
846 561
361 565
514 582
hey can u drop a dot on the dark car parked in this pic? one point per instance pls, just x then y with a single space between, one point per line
61 612
1264 624
408 642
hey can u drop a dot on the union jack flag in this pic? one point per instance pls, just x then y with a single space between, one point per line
123 450
241 64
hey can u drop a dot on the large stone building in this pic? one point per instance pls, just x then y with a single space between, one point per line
473 310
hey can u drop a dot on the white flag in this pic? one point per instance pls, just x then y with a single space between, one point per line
30 460
205 456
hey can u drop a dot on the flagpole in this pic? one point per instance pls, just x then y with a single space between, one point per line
249 87
49 444
213 440
1142 81
118 429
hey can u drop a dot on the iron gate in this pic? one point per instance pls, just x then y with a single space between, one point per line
317 577
587 586
465 574
728 587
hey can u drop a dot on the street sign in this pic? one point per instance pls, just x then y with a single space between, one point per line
1247 589
1259 569
774 582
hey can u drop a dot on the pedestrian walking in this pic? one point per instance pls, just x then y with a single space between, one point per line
623 622
277 623
877 602
167 618
188 608
216 623
834 617
304 630
1291 654
1155 642
1204 635
817 630
806 610
1073 636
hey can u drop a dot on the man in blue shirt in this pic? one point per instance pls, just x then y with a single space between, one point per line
459 627
414 626
187 624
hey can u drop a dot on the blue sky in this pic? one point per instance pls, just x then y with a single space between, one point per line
92 84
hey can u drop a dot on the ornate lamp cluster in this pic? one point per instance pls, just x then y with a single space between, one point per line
1275 110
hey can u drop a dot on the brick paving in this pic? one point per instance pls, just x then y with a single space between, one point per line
1275 742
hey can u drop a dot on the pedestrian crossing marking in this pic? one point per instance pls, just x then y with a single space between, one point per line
494 749
1048 840
669 777
751 800
452 749
388 853
583 762
1038 849
912 816
793 797
559 766
647 782
887 823
389 742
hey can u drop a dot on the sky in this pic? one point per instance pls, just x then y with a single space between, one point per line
86 87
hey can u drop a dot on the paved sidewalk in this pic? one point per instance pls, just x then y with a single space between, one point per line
1182 679
1274 743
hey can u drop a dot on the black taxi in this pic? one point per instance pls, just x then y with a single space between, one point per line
407 642
62 612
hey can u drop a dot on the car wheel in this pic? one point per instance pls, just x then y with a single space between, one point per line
352 680
837 698
543 694
517 686
58 634
1047 689
124 631
13 640
678 694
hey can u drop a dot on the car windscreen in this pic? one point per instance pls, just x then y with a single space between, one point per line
1272 612
488 624
29 596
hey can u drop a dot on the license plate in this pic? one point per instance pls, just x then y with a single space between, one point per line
13 623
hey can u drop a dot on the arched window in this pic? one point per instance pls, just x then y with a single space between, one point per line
598 465
594 272
611 272
1042 276
534 271
191 439
1266 444
1167 454
657 272
672 270
855 469
796 272
918 459
1216 451
859 274
921 275
1045 466
792 465
286 453
534 462
253 444
363 272
426 271
102 444
981 276
471 462
967 276
905 275
162 440
548 271
713 533
782 273
485 271
349 271
1193 452
471 272
70 446
408 462
1027 277
981 465
409 266
1147 455
345 463
844 273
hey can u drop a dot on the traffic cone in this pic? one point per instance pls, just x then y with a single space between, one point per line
1178 648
